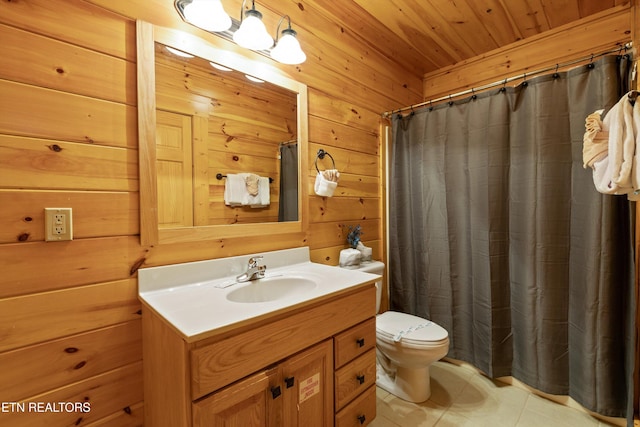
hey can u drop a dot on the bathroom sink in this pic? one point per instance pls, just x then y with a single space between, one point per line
271 289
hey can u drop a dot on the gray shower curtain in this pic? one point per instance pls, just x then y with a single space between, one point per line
498 234
288 206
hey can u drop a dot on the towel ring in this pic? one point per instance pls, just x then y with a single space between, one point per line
320 155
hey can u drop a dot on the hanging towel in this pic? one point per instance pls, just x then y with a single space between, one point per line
619 123
263 198
595 142
235 190
615 169
326 182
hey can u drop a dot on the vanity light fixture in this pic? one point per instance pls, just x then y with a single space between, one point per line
249 32
206 14
287 49
252 33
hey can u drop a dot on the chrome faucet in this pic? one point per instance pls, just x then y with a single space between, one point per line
254 271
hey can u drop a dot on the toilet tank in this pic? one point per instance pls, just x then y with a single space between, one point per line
374 267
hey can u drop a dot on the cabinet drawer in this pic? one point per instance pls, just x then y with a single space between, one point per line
354 342
354 378
360 412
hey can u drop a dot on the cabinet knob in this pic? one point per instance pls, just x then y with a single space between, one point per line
289 381
275 391
362 419
360 342
360 378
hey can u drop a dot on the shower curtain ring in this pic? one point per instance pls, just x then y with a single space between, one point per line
430 105
556 75
591 65
525 83
473 94
504 84
450 101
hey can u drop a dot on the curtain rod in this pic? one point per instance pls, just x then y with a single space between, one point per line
626 47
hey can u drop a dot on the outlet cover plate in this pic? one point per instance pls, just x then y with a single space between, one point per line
58 224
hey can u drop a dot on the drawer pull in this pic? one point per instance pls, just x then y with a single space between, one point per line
360 378
360 342
289 381
362 419
275 391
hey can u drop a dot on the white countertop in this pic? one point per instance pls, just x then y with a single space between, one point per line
190 297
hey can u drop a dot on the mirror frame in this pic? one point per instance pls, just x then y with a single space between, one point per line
150 234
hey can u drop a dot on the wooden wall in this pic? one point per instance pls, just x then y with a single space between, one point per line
604 31
69 315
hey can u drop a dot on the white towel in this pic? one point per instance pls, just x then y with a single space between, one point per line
235 189
324 187
617 172
263 199
619 122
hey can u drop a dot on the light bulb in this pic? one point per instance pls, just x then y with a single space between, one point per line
288 50
219 67
179 52
208 15
252 33
254 79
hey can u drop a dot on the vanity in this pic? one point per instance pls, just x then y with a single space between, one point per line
296 347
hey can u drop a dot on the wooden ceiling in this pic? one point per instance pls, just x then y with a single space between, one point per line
441 33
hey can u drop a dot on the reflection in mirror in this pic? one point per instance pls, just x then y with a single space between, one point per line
216 128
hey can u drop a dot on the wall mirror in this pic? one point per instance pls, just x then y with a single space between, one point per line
208 118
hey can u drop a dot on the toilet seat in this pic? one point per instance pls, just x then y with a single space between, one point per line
410 331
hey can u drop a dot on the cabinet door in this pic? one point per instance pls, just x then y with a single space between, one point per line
308 387
255 401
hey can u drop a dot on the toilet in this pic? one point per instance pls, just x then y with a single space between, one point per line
406 346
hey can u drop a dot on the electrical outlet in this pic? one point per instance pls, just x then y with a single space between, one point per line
58 224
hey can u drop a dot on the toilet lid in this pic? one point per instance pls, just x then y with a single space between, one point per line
401 327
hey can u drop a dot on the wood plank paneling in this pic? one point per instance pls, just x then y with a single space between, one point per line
32 370
106 394
44 113
322 131
65 312
95 214
333 109
84 261
342 208
84 25
129 416
30 162
99 76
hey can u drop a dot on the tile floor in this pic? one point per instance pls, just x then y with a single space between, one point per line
461 396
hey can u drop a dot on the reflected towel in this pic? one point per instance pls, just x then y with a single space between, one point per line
324 187
235 190
263 199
